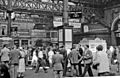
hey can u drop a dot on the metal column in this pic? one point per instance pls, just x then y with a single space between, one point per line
9 17
65 12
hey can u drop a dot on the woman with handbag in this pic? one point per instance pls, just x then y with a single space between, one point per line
101 61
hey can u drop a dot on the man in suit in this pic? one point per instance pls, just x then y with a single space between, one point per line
57 61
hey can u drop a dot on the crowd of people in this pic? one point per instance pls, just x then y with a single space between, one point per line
75 61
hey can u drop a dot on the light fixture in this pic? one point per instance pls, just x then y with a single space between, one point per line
93 15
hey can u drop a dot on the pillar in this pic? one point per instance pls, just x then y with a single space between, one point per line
113 38
65 36
65 12
65 31
9 17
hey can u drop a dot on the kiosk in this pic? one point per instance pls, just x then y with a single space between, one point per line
65 36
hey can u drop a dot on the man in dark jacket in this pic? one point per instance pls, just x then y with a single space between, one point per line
79 64
4 73
57 61
63 51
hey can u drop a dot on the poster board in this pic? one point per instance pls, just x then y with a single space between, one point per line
3 29
93 44
68 35
60 35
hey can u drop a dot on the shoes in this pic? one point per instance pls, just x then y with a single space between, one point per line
45 71
36 72
111 74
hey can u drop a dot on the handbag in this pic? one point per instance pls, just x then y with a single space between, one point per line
94 66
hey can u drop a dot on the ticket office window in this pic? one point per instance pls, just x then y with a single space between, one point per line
24 42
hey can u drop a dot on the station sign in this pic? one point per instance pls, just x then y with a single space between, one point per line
58 21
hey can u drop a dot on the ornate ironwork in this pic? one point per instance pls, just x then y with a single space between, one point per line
38 7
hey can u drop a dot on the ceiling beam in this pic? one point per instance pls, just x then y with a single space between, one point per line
3 2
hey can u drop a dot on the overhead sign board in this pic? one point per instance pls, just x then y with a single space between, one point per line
74 22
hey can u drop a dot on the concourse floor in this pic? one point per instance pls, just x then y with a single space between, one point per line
41 74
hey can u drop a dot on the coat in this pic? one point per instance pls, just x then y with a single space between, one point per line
22 62
87 57
50 54
74 56
14 56
5 54
57 60
102 59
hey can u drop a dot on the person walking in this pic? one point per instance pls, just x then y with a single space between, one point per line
40 59
26 53
115 57
57 61
50 54
63 51
5 55
14 61
21 68
34 58
102 60
74 60
87 59
68 63
110 52
80 62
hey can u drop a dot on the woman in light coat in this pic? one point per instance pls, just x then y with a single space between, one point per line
103 61
21 68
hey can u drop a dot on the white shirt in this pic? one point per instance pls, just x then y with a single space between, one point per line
68 51
40 54
50 54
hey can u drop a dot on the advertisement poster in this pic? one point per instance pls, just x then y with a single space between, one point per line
68 35
3 29
61 35
94 43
